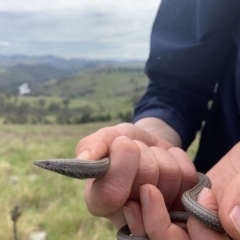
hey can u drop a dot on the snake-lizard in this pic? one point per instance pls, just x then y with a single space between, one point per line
83 169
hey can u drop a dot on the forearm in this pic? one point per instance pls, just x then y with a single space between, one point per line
160 129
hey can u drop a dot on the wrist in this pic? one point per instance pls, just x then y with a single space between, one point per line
160 129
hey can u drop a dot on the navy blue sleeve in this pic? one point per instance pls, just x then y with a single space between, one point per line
190 46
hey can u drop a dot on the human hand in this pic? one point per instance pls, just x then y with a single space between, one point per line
223 198
150 217
225 177
137 158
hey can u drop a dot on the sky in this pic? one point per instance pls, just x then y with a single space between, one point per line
94 29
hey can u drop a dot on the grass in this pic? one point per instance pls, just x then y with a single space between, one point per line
50 202
103 84
105 92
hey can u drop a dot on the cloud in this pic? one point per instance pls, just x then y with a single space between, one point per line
35 5
60 26
4 44
72 25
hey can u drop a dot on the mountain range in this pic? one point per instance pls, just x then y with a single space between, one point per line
16 70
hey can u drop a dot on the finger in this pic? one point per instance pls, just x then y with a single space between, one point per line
155 216
188 173
225 182
133 215
107 194
229 207
147 171
198 230
97 145
169 175
225 170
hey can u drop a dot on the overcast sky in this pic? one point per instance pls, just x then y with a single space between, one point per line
115 29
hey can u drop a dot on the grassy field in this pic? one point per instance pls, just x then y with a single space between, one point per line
106 91
50 202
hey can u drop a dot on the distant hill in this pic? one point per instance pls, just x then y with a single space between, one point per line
12 77
100 94
70 65
96 85
36 70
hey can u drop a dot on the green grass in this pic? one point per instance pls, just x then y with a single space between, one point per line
50 202
106 92
102 83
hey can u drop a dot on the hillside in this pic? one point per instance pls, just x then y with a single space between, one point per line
97 95
12 77
97 84
34 70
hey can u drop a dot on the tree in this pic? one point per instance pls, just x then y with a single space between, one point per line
41 102
66 102
54 107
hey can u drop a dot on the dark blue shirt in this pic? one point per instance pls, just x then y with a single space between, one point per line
195 59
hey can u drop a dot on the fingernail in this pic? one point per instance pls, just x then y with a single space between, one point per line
83 155
129 215
235 217
203 195
145 196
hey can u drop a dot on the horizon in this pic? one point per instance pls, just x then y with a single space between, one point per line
32 56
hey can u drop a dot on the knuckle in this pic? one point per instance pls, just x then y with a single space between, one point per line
171 167
147 172
126 147
104 199
123 126
168 167
152 231
112 195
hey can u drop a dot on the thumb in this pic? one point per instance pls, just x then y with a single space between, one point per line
198 230
229 207
155 216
